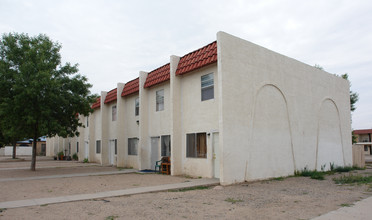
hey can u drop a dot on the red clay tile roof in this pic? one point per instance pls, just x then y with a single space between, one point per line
158 75
363 131
97 104
198 59
131 87
111 96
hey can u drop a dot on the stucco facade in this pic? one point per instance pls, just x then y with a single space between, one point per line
231 110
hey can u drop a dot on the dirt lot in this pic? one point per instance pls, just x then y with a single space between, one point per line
288 198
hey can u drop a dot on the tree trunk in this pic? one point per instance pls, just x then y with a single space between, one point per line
33 161
14 149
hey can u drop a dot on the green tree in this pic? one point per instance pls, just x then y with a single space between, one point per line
318 67
354 97
38 95
3 140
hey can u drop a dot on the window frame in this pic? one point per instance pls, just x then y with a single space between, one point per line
114 113
208 87
116 146
132 143
136 106
159 100
194 147
98 146
165 152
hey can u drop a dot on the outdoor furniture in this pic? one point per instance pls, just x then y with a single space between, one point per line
165 165
158 166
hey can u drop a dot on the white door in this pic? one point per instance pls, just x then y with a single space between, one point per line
111 151
154 151
86 150
216 156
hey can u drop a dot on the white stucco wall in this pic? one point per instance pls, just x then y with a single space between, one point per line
198 116
20 151
131 129
278 114
158 122
84 138
111 128
97 120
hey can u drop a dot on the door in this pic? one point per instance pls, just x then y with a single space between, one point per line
216 156
111 151
154 151
86 150
43 149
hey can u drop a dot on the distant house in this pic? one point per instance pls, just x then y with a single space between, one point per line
231 110
364 138
40 145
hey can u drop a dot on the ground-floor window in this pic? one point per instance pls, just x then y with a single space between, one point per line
365 148
98 146
116 146
132 146
165 146
77 147
196 145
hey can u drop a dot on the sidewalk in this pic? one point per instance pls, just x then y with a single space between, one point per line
124 192
69 175
360 210
24 158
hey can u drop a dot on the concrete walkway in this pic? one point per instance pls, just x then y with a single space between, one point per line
124 192
69 175
360 210
59 166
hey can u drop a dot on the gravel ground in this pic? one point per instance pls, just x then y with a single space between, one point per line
288 198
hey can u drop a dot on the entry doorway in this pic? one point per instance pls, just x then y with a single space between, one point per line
216 155
112 151
154 151
86 149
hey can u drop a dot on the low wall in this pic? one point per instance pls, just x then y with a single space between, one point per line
358 156
21 151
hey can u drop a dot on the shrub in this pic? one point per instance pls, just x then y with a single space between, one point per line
75 156
313 174
233 201
351 179
60 154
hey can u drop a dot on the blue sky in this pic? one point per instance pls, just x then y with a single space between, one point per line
113 40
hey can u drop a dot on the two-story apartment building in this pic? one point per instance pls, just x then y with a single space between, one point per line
231 110
363 137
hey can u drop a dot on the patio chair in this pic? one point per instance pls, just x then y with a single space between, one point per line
158 166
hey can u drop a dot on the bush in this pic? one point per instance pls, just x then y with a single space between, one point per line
60 154
351 179
313 174
75 156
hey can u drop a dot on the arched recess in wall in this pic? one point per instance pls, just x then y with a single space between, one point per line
271 152
329 144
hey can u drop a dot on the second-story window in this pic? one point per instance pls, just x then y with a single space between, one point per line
207 87
160 100
114 113
136 111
